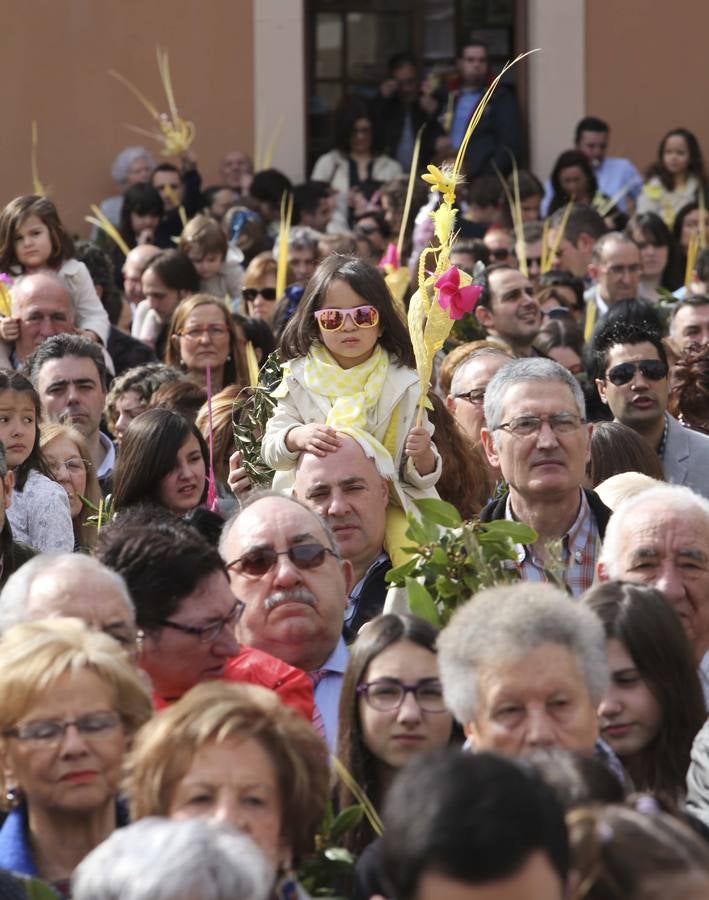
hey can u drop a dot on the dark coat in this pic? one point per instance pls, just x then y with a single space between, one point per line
495 510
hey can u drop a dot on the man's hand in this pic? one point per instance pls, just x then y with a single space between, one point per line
316 438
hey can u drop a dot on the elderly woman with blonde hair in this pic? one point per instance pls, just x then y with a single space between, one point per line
72 701
233 753
69 460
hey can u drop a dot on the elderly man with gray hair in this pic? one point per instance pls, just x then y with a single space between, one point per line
70 584
158 859
524 668
536 433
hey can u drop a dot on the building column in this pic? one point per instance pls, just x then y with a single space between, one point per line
557 78
279 85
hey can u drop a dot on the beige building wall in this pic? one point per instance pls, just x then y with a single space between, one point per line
56 56
556 77
279 85
647 71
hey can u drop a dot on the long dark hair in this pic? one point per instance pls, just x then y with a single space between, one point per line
352 751
13 381
646 625
148 453
142 199
653 229
12 217
302 330
567 160
696 161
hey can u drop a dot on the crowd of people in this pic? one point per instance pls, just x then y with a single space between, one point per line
195 617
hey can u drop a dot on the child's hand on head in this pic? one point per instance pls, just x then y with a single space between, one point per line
418 449
315 438
9 328
91 335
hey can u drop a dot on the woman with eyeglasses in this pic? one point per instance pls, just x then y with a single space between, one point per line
187 614
391 709
67 455
72 701
202 337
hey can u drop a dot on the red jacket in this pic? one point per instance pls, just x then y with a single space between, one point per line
253 666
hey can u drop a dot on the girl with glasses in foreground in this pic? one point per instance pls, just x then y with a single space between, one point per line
391 709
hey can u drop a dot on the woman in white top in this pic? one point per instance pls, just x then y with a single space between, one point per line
354 161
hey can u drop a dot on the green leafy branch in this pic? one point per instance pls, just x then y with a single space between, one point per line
252 409
451 559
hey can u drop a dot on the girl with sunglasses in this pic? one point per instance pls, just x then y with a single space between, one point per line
349 366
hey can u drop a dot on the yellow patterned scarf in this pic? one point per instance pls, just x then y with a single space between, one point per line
351 392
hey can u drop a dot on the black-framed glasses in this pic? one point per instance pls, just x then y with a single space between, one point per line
255 563
214 332
560 423
209 633
250 294
652 369
50 732
387 694
476 396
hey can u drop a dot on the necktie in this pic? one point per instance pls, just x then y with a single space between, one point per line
316 677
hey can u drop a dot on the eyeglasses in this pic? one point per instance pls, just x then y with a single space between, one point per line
209 633
652 369
476 397
255 563
334 319
387 694
214 332
500 254
50 732
74 466
250 294
557 312
617 270
560 423
533 260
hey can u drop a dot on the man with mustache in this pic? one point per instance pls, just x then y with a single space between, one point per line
537 434
285 565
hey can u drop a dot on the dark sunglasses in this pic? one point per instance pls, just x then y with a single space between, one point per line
500 253
652 369
250 294
255 563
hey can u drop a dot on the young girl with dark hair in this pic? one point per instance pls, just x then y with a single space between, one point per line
39 512
33 239
349 366
163 460
654 704
391 709
675 177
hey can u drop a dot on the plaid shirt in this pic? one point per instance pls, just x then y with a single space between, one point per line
579 548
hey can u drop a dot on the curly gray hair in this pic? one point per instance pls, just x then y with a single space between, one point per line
505 623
